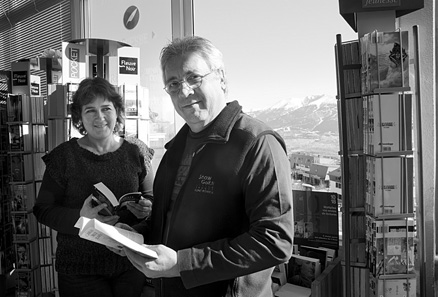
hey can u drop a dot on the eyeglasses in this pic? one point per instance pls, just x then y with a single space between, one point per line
192 81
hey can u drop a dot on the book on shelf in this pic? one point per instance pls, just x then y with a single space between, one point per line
102 194
28 283
21 167
24 226
39 138
316 218
114 237
26 255
389 123
406 287
392 248
324 255
279 274
129 94
288 290
355 181
37 109
23 197
385 60
302 271
20 137
38 166
59 132
58 101
389 185
354 125
18 108
130 128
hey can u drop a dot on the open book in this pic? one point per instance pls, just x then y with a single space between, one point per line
96 231
102 194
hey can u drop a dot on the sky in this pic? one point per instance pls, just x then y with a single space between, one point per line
274 49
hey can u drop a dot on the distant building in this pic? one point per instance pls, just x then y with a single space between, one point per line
335 181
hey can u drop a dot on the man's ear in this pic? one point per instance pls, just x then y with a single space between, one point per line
223 80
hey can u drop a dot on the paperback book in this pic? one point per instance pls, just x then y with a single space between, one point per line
302 271
406 287
392 248
316 219
114 237
102 194
385 60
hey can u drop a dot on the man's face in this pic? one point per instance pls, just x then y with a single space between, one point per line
199 106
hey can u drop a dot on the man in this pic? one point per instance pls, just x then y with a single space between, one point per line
222 215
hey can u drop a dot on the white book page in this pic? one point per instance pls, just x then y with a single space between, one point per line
96 231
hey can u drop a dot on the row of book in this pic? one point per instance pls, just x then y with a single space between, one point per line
25 108
390 246
387 123
352 75
385 60
27 138
26 167
391 252
304 266
389 186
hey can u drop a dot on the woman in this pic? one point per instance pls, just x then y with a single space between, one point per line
72 168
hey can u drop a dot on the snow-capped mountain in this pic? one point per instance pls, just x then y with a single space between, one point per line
314 114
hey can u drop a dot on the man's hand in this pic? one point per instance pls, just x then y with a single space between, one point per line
121 252
166 265
91 212
142 209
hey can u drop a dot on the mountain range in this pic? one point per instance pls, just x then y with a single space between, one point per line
308 125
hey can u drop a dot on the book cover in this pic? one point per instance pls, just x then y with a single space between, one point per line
21 167
390 123
103 194
20 138
23 197
26 255
385 60
405 287
289 290
389 185
324 255
130 96
302 271
24 226
316 218
111 236
392 248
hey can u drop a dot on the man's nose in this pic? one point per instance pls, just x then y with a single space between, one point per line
186 90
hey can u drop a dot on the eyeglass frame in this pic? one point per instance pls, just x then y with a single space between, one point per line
184 80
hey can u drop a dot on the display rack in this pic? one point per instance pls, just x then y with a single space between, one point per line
7 251
26 129
378 210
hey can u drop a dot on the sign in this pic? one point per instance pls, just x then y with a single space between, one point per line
131 17
19 78
35 85
380 3
128 65
73 62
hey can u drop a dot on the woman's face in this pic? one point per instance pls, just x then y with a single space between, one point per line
99 118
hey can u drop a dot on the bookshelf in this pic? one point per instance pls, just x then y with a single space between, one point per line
26 129
7 251
376 118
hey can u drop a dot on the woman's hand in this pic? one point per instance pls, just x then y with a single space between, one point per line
141 209
91 212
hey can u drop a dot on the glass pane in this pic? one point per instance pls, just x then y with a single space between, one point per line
156 35
274 50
